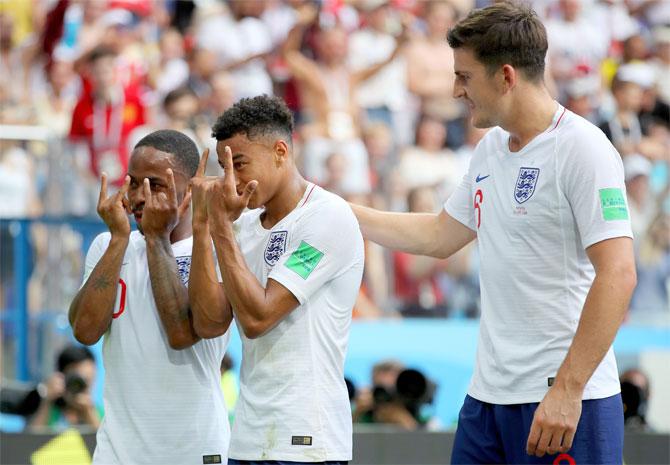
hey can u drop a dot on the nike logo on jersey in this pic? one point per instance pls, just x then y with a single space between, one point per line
481 178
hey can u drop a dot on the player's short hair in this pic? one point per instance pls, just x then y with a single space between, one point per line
177 144
73 354
504 33
255 117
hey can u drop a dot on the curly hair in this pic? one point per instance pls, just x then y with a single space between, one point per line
178 144
255 117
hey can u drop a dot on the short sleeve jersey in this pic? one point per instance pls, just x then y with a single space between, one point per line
535 212
293 402
161 405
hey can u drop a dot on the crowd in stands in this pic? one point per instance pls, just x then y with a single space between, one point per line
370 83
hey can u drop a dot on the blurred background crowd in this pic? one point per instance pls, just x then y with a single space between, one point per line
370 83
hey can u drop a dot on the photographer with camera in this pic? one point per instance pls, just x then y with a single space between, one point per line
66 394
397 398
635 397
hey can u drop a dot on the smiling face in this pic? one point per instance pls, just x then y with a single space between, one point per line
479 90
264 159
147 162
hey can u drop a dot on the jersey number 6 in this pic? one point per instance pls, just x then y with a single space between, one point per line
479 198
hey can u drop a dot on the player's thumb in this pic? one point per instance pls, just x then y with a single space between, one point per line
249 189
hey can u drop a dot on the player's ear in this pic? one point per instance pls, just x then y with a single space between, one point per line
281 152
510 75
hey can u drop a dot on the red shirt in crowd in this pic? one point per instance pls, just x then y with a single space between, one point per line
105 129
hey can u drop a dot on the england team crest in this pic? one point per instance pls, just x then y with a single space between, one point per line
276 247
525 184
183 268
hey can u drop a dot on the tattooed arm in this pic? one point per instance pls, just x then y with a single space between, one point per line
91 310
160 216
170 294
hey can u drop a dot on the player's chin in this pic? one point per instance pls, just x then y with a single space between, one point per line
480 122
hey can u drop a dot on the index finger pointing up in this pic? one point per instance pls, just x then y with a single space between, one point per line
203 163
228 165
172 188
103 187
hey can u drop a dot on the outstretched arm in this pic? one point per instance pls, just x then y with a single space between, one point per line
91 310
435 235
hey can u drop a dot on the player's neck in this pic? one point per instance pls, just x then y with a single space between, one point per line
285 201
530 116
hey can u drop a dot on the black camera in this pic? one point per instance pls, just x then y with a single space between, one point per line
634 401
18 398
74 384
412 389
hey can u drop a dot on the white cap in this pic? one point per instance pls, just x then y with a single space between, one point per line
117 17
583 86
636 165
638 73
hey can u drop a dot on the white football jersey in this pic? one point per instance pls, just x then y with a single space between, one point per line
535 212
293 402
161 405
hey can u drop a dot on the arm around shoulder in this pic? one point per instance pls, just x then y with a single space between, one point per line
436 235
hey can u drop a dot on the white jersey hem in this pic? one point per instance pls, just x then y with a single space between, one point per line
536 396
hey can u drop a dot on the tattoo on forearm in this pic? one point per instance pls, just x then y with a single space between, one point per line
101 282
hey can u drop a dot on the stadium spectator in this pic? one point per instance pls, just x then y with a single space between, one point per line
67 394
576 48
430 67
162 382
623 127
328 89
384 95
635 393
650 303
642 205
429 162
387 402
170 70
105 115
241 41
541 169
662 62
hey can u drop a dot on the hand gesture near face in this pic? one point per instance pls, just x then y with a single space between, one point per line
223 201
114 209
162 212
200 184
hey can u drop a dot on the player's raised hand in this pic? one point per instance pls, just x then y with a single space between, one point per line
114 209
224 200
162 211
200 184
555 422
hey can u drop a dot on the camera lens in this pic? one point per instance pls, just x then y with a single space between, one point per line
411 385
74 384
